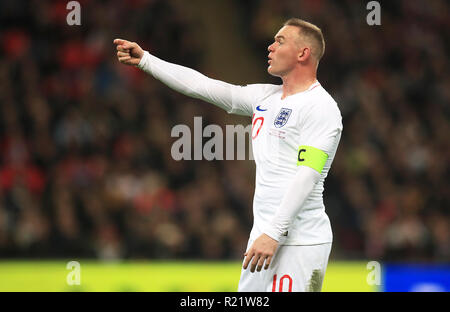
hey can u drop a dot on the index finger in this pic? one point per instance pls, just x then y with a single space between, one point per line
119 41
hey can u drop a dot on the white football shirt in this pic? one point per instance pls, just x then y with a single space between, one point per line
279 128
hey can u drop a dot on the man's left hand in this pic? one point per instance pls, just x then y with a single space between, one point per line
263 249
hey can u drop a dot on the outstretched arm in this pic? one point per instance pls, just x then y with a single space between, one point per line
232 98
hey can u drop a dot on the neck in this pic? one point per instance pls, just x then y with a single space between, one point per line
297 81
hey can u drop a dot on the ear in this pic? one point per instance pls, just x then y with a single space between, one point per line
304 54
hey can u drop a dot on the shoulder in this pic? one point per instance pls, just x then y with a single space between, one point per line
322 107
261 91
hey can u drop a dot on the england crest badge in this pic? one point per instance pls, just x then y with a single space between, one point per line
282 117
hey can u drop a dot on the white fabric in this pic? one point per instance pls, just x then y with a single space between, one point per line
314 120
311 118
299 190
297 269
233 99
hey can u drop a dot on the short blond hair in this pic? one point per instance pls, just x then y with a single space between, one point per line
312 34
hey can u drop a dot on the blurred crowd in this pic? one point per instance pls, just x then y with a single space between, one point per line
86 168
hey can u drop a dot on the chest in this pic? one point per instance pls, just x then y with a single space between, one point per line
274 118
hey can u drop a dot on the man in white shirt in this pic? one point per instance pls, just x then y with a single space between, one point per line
296 129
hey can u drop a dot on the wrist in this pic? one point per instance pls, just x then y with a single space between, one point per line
143 61
273 233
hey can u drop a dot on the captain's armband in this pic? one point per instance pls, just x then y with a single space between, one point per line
311 157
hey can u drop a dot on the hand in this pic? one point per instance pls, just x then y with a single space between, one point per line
263 249
128 53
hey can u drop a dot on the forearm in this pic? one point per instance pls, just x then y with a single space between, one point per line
295 197
188 81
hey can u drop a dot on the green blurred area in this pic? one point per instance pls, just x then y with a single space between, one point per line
155 276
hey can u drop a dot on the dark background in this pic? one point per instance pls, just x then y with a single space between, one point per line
86 169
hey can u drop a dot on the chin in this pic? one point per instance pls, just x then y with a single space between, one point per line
272 72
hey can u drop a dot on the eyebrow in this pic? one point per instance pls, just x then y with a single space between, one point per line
279 36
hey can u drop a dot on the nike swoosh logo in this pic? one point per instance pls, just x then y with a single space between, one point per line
260 109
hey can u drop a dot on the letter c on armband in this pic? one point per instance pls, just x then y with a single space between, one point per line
311 157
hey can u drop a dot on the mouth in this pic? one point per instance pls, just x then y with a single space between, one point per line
269 60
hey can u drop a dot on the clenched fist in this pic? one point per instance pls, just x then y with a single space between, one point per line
129 53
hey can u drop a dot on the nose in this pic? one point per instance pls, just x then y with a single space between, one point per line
271 47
